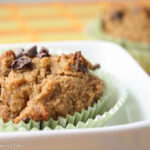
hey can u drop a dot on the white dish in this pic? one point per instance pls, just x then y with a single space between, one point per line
128 129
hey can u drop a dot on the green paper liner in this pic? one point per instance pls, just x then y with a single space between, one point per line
140 51
96 116
11 127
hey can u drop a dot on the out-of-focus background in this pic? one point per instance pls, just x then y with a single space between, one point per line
45 20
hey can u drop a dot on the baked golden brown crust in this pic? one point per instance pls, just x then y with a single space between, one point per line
130 20
49 86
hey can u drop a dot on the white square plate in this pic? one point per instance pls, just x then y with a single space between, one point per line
128 129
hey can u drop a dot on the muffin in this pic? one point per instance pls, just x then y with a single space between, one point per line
127 24
57 90
127 20
38 86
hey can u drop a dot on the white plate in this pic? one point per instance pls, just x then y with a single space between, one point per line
128 129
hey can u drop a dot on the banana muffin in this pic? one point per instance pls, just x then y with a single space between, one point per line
128 20
39 85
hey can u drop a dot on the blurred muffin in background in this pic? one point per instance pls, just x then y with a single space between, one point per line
128 24
128 20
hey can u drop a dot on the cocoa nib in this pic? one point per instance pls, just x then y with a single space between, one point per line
80 62
44 50
26 120
40 55
82 68
20 63
32 52
19 52
43 53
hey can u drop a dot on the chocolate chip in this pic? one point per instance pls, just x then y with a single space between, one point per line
43 53
44 50
96 66
26 120
20 63
82 65
118 15
82 68
32 52
40 55
19 52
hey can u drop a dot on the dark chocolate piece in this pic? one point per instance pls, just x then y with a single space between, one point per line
96 66
19 52
118 15
44 50
26 120
43 53
32 52
20 63
40 55
82 66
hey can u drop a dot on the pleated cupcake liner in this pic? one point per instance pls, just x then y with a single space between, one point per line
21 126
95 116
140 51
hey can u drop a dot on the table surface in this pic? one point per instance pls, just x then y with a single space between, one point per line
30 22
47 21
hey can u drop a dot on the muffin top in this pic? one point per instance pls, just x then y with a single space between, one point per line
39 85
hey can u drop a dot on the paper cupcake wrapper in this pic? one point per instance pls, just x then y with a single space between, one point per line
96 116
140 51
11 127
